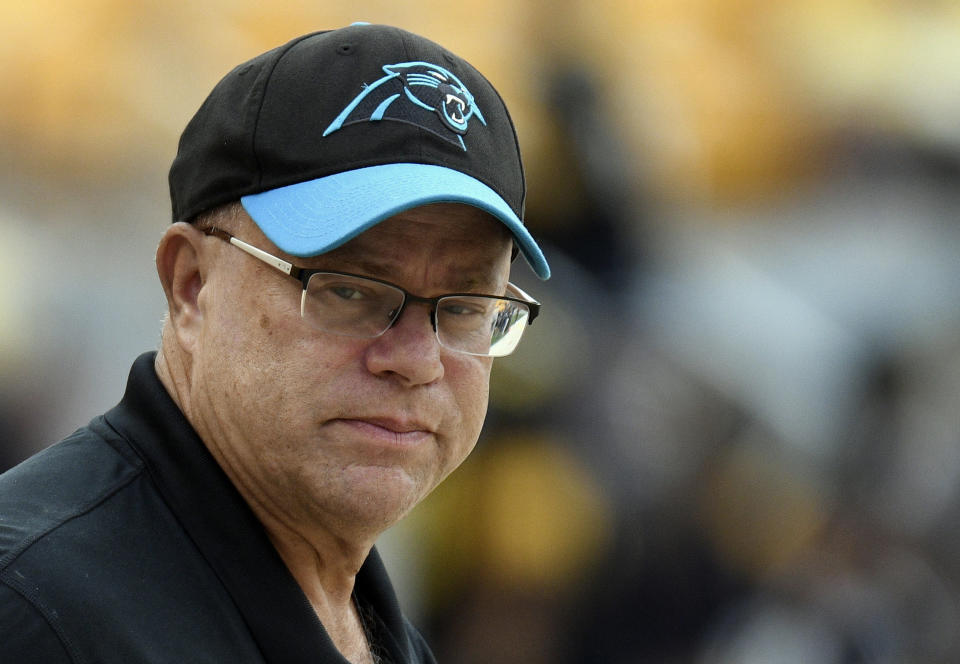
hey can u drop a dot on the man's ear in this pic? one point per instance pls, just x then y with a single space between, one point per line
182 269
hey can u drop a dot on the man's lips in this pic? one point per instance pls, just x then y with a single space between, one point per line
388 431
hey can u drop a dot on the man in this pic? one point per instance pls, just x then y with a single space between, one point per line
346 208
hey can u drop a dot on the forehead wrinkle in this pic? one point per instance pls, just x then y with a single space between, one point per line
451 247
454 278
390 266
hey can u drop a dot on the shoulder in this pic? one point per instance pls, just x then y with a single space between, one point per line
59 484
37 497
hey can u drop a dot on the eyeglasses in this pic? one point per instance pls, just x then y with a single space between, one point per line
352 305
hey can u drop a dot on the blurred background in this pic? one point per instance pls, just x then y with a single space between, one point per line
733 437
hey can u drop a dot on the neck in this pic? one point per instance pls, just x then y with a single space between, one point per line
173 373
324 566
328 582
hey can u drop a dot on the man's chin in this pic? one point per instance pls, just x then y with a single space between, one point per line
380 496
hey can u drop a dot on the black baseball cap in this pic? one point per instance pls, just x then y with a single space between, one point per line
328 135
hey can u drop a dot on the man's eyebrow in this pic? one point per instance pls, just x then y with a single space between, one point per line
464 281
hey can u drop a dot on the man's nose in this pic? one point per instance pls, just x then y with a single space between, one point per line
409 349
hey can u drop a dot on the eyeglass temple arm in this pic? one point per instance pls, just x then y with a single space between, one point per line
269 259
533 303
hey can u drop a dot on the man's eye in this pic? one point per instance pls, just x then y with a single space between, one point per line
462 308
347 292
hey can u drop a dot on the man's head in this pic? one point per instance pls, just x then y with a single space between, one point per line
377 157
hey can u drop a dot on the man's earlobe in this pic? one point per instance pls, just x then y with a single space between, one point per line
181 271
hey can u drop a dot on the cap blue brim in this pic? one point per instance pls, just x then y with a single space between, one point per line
313 217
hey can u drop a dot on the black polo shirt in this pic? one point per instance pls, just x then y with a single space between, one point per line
127 543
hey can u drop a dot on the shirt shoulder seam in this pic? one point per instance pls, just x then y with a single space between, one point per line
17 550
20 587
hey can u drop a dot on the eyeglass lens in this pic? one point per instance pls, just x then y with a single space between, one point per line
357 307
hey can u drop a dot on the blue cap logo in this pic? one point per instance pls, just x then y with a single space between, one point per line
418 93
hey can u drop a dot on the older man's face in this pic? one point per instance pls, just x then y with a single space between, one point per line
345 434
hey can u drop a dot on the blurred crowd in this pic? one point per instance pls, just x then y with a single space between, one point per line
733 436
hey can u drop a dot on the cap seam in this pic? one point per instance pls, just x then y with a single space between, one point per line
263 96
516 140
421 133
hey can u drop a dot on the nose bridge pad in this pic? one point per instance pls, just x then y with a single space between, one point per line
397 313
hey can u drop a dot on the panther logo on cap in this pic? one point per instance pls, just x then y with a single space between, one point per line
418 93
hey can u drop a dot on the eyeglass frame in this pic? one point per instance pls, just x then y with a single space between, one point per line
303 274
